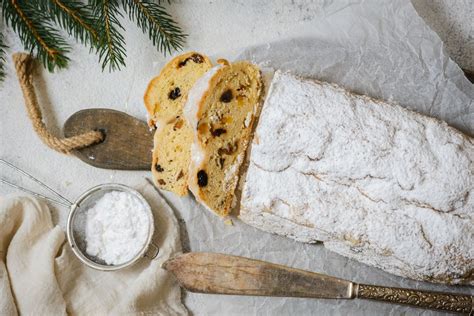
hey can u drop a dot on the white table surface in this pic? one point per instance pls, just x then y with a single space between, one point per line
214 26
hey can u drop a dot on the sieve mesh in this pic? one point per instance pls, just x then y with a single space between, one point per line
78 219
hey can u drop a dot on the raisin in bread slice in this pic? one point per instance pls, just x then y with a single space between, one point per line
221 109
164 99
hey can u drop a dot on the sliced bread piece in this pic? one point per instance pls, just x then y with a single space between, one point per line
164 100
221 109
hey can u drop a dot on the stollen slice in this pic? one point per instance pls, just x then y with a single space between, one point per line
164 100
221 109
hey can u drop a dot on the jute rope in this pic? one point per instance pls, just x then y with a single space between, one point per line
24 68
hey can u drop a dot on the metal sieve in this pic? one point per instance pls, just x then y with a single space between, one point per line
76 221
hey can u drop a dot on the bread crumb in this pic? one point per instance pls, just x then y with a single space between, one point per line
223 62
229 222
248 119
256 140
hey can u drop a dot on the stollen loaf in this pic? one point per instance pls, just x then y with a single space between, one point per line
371 180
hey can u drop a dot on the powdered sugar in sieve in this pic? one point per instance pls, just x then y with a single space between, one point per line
110 227
115 228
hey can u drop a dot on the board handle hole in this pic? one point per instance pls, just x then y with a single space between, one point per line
103 131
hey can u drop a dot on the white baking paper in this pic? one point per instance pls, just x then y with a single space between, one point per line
385 51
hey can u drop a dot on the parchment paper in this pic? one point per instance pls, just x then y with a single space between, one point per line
386 52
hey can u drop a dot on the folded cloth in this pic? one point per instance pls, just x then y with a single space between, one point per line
40 275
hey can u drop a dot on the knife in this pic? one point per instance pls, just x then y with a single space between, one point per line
215 273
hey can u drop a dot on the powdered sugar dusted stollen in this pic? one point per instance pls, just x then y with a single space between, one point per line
372 180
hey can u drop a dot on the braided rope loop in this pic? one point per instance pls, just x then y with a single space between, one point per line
24 68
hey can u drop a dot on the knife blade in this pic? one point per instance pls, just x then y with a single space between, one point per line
225 274
215 273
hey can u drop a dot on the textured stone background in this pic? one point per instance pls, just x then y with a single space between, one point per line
214 26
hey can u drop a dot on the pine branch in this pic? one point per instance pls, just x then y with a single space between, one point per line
36 32
111 43
96 24
152 18
2 57
73 16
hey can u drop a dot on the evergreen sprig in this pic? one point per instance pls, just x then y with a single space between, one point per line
96 24
152 18
36 32
75 17
2 57
112 43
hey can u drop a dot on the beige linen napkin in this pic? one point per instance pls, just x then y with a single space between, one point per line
40 275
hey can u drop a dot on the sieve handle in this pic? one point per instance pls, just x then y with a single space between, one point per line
62 200
152 251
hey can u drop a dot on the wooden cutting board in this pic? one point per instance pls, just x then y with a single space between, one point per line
128 141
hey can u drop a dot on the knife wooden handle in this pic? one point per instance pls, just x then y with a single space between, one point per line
450 302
